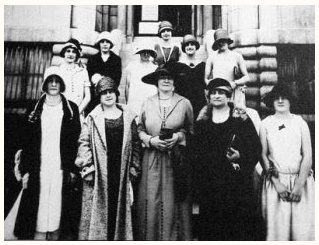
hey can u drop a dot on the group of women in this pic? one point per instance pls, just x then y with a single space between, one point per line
132 171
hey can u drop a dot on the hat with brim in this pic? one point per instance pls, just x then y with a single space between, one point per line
72 43
104 36
146 46
153 77
189 39
281 89
219 84
221 35
106 83
51 72
165 25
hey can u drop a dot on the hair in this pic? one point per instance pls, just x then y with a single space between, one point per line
117 93
58 79
228 94
97 45
77 52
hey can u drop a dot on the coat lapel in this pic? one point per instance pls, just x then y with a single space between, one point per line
99 123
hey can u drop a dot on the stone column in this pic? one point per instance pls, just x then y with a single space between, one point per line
129 24
121 18
199 31
207 18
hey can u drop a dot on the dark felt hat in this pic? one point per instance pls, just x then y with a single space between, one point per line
219 83
153 77
221 35
280 89
50 72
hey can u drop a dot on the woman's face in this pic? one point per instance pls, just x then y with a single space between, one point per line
282 104
223 45
54 87
145 55
165 83
166 34
218 98
70 55
108 98
190 48
105 46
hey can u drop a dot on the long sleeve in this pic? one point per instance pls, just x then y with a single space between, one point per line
135 168
84 156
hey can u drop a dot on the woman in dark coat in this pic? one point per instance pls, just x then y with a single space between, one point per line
228 146
105 63
48 208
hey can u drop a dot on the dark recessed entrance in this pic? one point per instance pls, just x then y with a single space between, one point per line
147 18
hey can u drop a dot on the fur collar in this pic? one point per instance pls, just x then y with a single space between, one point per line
235 112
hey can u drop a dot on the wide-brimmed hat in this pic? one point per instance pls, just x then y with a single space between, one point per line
106 83
146 46
221 35
280 89
50 72
72 43
189 39
164 25
153 77
104 36
219 83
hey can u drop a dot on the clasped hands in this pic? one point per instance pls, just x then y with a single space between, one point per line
233 156
285 194
164 145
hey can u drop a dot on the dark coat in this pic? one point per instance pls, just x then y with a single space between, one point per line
31 163
112 68
227 204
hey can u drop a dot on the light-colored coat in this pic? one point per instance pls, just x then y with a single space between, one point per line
93 151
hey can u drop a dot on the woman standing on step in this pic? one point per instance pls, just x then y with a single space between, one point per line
108 156
166 49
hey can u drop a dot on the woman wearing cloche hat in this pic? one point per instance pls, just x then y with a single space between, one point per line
228 149
229 65
287 162
77 83
108 157
50 203
166 49
104 63
135 90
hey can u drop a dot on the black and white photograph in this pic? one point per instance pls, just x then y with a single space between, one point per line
159 122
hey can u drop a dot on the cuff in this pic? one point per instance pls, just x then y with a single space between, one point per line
87 170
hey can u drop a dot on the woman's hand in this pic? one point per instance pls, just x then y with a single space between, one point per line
158 144
295 195
89 179
170 143
232 155
281 190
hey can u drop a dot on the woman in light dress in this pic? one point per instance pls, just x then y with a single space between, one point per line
288 195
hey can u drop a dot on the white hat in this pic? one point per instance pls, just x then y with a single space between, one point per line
146 46
107 36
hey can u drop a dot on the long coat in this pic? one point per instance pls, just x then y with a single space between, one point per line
161 213
31 163
226 200
92 154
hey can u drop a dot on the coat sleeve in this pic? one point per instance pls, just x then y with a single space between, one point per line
188 127
84 156
250 147
141 129
135 168
74 136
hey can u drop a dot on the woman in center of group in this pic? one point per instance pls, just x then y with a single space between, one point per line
164 204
